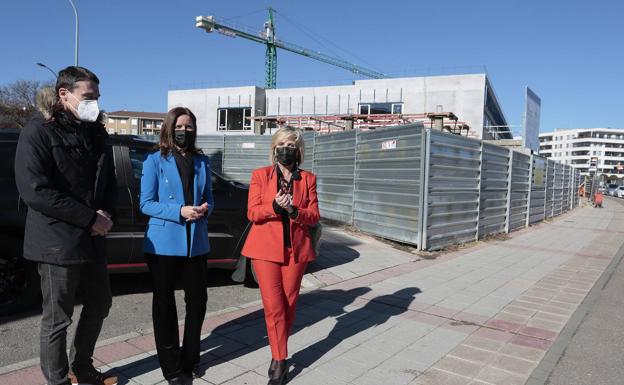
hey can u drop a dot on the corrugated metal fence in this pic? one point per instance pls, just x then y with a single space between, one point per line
537 211
388 182
412 185
451 195
494 189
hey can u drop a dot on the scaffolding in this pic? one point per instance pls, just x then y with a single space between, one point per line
443 121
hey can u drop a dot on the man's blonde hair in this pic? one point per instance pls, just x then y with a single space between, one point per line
286 133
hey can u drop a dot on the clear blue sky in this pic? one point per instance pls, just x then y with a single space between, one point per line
570 52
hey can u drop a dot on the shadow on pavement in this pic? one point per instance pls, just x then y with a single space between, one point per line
246 334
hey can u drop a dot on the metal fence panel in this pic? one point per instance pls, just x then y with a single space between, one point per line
538 190
387 195
334 166
520 187
577 186
243 154
565 203
494 188
452 180
550 186
309 138
558 190
213 145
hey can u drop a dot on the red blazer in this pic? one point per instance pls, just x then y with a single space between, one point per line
266 238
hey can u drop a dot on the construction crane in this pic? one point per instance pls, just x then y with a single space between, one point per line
267 37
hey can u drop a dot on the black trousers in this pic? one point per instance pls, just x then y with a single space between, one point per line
165 270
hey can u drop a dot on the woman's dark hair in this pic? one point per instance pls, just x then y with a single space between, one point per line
166 144
68 77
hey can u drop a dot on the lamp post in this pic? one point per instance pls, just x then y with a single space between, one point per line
76 45
46 67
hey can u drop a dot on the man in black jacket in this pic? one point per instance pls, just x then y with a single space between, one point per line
65 173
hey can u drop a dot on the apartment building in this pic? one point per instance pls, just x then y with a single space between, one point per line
134 122
599 150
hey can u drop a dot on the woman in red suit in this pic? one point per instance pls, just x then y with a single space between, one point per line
282 205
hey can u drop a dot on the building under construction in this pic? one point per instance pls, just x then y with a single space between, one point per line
462 104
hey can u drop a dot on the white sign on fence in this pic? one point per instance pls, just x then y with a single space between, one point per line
249 145
388 145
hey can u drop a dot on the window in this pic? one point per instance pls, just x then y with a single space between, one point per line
123 121
111 121
7 152
134 122
234 119
380 108
137 156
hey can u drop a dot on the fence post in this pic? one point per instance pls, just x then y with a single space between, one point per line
479 193
355 169
509 180
425 189
531 172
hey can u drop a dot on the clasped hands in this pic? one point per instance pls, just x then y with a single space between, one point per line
103 223
193 213
284 201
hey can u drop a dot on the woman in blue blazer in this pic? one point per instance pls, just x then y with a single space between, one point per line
176 194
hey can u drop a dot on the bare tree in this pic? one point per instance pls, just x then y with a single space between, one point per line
17 102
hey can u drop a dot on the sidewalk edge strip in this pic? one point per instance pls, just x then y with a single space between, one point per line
544 369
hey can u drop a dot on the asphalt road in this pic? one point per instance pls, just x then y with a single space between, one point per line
131 312
595 355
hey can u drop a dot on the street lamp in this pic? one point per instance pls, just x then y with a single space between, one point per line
76 46
46 67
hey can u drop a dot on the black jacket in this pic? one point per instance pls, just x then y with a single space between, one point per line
64 172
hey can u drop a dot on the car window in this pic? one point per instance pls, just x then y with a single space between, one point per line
137 156
7 154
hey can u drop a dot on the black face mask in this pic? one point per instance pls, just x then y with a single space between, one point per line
286 155
184 139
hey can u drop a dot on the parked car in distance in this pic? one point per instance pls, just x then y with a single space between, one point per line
620 192
611 189
227 226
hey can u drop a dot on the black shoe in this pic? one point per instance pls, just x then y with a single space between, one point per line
280 373
194 372
179 380
272 367
92 376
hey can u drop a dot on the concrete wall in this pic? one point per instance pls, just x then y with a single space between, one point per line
205 102
463 95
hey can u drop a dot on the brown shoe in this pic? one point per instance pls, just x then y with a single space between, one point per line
92 377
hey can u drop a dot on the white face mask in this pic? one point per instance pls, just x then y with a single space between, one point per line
88 110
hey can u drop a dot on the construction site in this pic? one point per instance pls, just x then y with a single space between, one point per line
462 104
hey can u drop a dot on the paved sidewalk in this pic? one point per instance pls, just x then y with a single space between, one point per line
375 315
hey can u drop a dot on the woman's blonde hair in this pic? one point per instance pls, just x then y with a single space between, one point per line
287 133
45 99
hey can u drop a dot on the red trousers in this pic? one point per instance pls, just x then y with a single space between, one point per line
279 287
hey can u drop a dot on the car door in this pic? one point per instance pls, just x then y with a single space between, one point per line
119 249
135 156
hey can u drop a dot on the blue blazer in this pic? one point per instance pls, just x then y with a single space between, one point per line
162 197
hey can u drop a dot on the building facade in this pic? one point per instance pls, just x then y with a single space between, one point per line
599 150
134 122
470 98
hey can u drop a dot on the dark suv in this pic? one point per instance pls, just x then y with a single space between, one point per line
227 226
